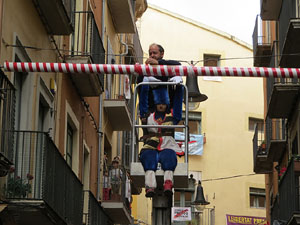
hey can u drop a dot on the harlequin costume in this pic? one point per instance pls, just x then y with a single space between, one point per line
160 145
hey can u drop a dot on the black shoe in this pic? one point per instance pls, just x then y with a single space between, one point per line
150 192
168 192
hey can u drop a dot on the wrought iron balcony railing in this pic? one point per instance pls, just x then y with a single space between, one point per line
261 42
115 181
275 138
288 12
117 195
287 201
289 23
261 162
7 119
93 212
42 174
135 54
86 40
281 96
275 130
259 147
274 59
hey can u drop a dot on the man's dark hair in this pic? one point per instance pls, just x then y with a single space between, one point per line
160 48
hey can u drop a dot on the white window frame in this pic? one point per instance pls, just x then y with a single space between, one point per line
70 118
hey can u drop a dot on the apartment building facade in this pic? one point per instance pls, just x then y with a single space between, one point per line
59 132
279 159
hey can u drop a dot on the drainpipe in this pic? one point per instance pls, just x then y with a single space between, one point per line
120 78
1 17
102 21
100 132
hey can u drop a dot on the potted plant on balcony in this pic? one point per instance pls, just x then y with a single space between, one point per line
263 145
16 187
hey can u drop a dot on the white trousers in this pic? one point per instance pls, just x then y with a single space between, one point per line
150 179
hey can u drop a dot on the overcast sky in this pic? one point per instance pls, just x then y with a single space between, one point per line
235 17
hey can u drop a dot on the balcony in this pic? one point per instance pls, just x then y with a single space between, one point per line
42 188
122 13
56 15
140 8
118 114
270 9
135 51
262 48
282 95
87 47
289 30
275 138
261 162
286 206
7 118
93 213
116 203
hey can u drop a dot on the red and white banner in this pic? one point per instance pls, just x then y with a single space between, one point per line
148 70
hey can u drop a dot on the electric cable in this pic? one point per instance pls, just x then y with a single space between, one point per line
193 62
230 177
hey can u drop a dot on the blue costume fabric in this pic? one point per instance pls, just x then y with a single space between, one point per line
155 149
171 90
150 159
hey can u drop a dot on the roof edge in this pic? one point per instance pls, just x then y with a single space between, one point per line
203 26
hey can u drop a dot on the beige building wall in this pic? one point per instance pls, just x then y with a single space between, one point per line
114 49
225 115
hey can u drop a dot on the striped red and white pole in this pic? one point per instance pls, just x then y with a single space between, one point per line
161 70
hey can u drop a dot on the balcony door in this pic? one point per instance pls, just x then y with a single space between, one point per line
23 139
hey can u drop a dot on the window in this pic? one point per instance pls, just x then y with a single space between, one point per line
211 60
23 82
126 143
252 123
257 198
187 196
69 147
86 169
71 139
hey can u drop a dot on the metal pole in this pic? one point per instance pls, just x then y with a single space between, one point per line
186 130
148 70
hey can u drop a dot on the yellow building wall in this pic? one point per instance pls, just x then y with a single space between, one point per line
228 150
30 36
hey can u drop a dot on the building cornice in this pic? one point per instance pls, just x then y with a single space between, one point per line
201 25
